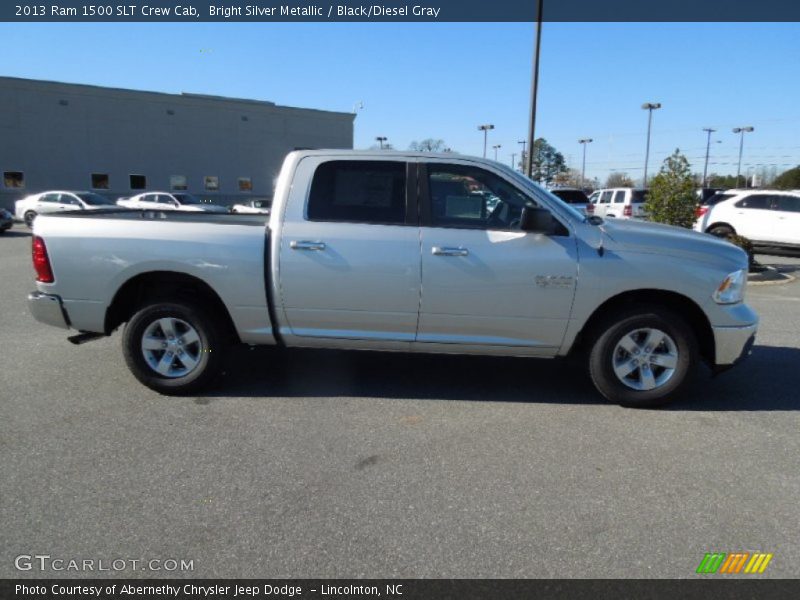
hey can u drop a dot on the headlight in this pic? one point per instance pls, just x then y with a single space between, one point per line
731 290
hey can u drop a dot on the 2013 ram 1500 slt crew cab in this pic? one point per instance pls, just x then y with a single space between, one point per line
404 252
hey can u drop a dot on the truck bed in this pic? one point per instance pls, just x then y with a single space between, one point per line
94 254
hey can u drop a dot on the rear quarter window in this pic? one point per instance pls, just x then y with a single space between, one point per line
716 199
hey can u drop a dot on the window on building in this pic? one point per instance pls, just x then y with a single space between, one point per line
245 184
138 182
211 183
14 179
178 182
359 192
100 181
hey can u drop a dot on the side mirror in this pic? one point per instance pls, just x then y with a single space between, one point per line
536 220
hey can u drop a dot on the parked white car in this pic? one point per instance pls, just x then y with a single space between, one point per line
253 207
766 217
57 201
170 201
620 203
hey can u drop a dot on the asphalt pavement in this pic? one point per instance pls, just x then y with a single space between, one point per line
334 464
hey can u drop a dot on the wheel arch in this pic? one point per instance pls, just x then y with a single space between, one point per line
162 285
683 305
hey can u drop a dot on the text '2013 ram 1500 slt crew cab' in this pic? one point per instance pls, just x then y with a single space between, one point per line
399 252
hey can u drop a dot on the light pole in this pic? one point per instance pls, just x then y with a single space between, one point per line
513 156
583 143
741 131
380 139
485 129
528 167
649 107
496 148
709 131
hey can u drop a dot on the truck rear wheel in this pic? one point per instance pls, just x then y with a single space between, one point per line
642 358
173 348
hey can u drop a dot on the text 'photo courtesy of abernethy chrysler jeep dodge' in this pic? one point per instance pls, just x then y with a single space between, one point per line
399 252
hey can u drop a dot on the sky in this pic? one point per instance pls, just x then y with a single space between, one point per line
442 80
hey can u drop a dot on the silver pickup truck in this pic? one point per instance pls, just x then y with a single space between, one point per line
399 252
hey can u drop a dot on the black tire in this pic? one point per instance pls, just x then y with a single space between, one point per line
209 352
679 346
29 218
722 231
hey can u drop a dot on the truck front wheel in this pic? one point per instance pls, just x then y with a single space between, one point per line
642 357
173 348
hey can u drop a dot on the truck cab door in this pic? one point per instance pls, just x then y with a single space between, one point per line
486 283
349 257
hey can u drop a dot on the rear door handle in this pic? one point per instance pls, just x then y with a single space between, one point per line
446 251
304 245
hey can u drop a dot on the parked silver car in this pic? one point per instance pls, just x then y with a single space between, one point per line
400 252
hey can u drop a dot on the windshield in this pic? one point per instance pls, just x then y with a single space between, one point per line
570 196
186 199
94 199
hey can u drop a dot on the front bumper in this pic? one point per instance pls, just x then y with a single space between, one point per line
733 343
47 308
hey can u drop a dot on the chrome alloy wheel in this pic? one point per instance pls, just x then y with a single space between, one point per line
645 359
171 347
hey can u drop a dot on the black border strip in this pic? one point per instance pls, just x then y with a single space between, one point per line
194 11
715 587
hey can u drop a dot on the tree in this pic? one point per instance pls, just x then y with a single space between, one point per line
571 177
724 181
788 180
547 161
428 145
619 180
671 198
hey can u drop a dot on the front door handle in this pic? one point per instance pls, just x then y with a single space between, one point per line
295 245
445 251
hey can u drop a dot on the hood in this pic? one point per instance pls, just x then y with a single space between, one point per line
656 238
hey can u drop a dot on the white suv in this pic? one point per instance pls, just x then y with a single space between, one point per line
620 203
766 217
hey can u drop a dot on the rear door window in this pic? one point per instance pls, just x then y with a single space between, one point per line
359 191
756 201
619 197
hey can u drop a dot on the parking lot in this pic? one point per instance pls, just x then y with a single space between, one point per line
331 464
